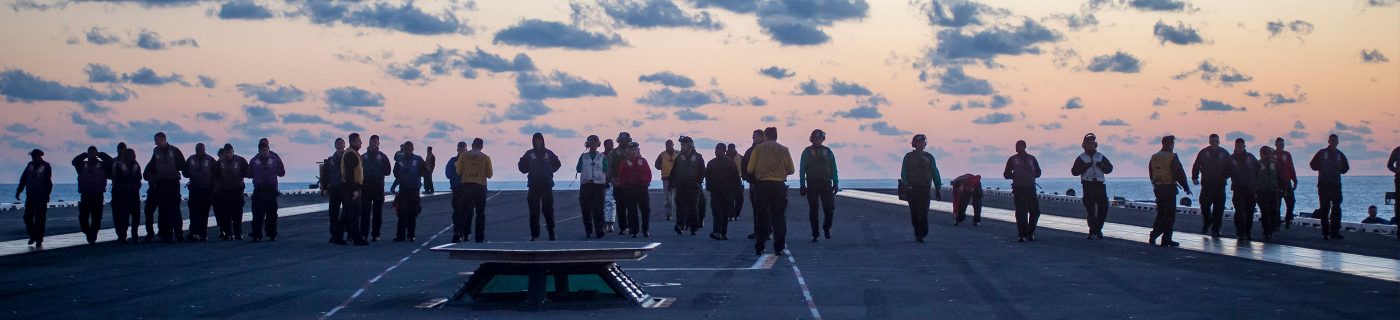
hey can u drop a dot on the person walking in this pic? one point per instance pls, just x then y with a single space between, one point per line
126 194
201 174
264 169
1212 167
1022 169
1244 172
474 167
722 180
664 162
918 176
1288 172
819 182
592 168
92 168
163 173
228 202
1090 167
539 165
1164 169
376 167
687 177
460 228
1268 185
770 165
1330 164
633 181
37 180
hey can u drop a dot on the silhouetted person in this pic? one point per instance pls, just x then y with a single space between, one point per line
615 157
967 190
1164 169
1244 172
687 176
1371 217
919 175
609 198
1393 164
1023 169
1268 185
633 179
460 227
352 171
1288 172
592 169
758 225
474 167
37 178
408 174
733 154
332 184
92 168
376 166
539 165
431 164
163 173
1090 167
228 202
201 174
126 193
1330 164
722 180
664 161
770 164
1212 167
264 169
819 182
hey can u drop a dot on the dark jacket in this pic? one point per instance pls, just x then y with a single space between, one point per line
230 174
453 179
92 173
409 171
722 175
166 164
376 166
126 176
688 170
38 178
200 171
744 164
539 167
265 170
1330 166
1022 169
1244 172
1211 166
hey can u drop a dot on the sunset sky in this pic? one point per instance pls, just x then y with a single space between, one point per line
975 76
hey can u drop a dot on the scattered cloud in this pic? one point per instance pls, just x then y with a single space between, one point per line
243 10
777 73
1000 101
150 40
527 110
648 14
1074 103
955 81
211 116
407 18
1298 27
295 118
20 86
1158 102
303 136
667 78
532 128
1117 62
535 33
272 93
1077 21
1113 122
958 13
958 47
690 115
1211 71
1051 126
795 23
535 86
683 98
994 118
20 128
837 87
1180 34
353 100
1213 105
444 61
1373 56
884 129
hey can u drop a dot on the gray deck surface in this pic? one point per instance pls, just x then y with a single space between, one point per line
871 269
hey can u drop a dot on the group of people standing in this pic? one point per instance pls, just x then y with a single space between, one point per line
215 184
614 188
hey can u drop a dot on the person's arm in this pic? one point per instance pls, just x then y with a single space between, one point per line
489 171
1394 163
701 180
578 167
277 163
753 163
658 160
937 179
802 170
554 161
1006 173
248 169
23 182
1106 166
1316 163
787 162
180 163
78 162
523 164
904 169
1180 175
1345 165
1035 165
1078 167
646 174
831 161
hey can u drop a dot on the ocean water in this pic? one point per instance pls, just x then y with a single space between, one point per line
1358 192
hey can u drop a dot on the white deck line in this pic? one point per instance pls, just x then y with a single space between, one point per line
1345 263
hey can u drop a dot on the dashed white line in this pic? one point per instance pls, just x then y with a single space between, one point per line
391 268
806 293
